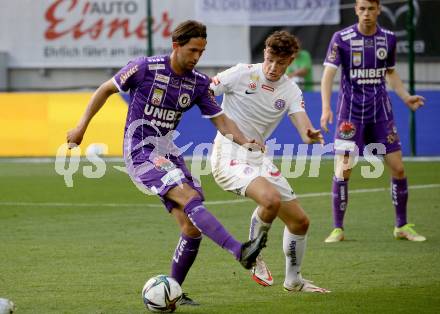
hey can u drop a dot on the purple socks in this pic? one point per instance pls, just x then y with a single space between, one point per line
340 200
399 194
211 227
184 256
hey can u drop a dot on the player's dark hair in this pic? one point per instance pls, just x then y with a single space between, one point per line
282 44
376 1
183 32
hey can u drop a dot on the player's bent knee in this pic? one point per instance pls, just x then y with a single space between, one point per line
190 231
398 172
299 226
185 196
271 201
304 224
346 174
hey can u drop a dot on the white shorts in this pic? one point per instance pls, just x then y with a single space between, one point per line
234 168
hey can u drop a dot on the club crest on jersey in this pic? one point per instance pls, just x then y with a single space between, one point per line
163 164
253 81
346 130
357 58
280 104
184 100
157 97
381 53
252 85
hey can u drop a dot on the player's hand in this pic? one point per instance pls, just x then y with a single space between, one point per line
326 117
255 146
315 136
74 137
414 102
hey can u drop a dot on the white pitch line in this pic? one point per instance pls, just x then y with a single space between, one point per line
78 204
242 200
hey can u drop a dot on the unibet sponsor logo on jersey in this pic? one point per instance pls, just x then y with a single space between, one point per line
161 117
368 76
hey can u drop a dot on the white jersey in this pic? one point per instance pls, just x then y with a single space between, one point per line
255 104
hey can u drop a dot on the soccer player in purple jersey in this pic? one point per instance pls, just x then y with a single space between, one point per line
366 53
161 89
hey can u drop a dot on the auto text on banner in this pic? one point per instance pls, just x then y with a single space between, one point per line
104 33
268 12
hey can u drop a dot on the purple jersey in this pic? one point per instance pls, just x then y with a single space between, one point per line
160 96
364 61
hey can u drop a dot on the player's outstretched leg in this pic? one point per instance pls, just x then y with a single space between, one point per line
340 201
251 249
260 272
203 220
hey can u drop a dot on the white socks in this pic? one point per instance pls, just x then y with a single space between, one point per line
257 225
293 247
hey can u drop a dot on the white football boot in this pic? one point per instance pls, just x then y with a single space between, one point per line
304 285
261 274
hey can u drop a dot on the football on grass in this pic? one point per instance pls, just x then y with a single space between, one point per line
162 294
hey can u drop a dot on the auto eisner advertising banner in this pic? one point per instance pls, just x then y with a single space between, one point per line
268 12
103 33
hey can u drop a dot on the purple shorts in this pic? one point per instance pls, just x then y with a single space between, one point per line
351 135
156 175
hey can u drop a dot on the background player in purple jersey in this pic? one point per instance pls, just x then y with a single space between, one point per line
366 53
161 89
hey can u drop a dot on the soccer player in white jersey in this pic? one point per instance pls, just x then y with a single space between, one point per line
366 53
256 97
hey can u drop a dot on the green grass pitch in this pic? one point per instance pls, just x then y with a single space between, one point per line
90 248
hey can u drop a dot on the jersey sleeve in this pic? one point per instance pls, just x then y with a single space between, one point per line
225 81
391 58
297 104
207 103
333 57
130 75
